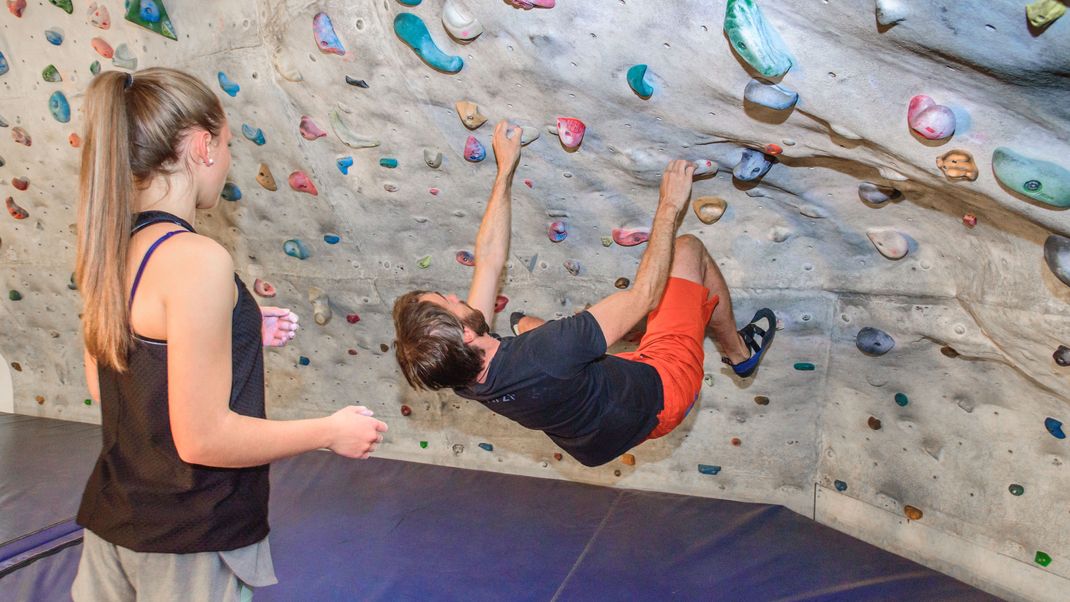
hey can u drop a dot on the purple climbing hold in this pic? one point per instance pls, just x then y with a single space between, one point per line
474 151
326 39
557 231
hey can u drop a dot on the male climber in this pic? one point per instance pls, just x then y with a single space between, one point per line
556 376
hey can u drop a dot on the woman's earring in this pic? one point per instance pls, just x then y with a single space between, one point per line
210 162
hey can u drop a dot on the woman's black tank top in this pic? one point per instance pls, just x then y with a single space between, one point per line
141 495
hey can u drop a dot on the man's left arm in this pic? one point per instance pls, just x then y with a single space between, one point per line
492 241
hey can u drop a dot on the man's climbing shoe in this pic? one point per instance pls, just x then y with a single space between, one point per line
762 326
514 321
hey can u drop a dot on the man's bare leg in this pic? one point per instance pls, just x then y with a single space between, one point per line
691 261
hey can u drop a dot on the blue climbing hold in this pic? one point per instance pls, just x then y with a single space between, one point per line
59 107
150 13
389 162
3 64
54 36
304 361
412 30
709 468
840 485
227 85
770 96
344 163
326 39
902 399
1055 428
254 135
486 446
231 192
295 248
332 239
638 83
752 165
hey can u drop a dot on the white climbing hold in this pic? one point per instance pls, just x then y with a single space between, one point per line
530 134
890 12
779 234
813 211
889 242
432 158
347 136
890 174
458 23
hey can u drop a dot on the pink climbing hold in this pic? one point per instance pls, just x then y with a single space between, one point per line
474 150
99 16
103 48
20 136
930 120
434 191
300 182
16 211
528 4
309 129
466 258
20 183
529 183
969 220
326 39
263 288
16 7
570 130
500 303
629 237
557 231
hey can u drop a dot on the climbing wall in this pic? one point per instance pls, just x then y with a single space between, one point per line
899 168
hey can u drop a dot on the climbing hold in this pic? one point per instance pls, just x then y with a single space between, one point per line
20 136
761 400
474 151
499 303
265 179
708 379
344 163
54 36
930 120
1062 355
486 446
411 30
805 366
754 39
1042 558
432 158
51 74
1057 256
326 39
388 162
17 6
59 107
529 4
957 165
20 183
124 58
912 513
423 445
902 400
411 2
231 192
709 469
572 266
969 220
14 295
890 12
949 351
607 241
1040 180
840 485
570 130
300 182
704 167
557 231
752 165
458 23
71 284
637 81
1016 489
321 305
390 187
4 67
770 96
528 135
64 4
356 82
709 209
433 191
352 318
99 16
466 258
875 194
347 136
1042 13
332 239
889 242
406 410
304 361
874 423
255 136
629 237
873 341
628 459
424 262
295 248
1055 428
468 111
227 85
622 283
773 149
16 211
103 48
152 15
263 288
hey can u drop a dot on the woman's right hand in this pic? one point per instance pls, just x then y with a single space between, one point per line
355 434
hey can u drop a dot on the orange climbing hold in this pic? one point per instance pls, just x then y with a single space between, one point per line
773 149
628 459
103 48
912 512
16 211
75 140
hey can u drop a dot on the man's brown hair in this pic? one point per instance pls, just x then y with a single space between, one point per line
430 344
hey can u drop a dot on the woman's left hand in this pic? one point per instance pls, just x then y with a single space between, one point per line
278 327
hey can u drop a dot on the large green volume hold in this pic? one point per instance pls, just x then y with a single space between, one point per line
1040 180
755 40
152 15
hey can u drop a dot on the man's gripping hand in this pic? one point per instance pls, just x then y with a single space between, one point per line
506 147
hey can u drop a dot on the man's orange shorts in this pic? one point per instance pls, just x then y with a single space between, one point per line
672 344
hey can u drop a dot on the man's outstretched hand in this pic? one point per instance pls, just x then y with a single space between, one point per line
506 146
676 184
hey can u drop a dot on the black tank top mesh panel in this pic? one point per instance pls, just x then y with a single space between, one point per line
141 495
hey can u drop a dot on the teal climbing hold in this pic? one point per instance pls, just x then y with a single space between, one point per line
1016 489
754 39
150 14
344 163
295 248
254 135
901 399
412 30
304 361
805 366
710 469
840 485
64 4
1055 428
389 162
486 446
228 85
14 295
59 107
51 74
637 82
94 67
411 2
332 239
1039 180
231 192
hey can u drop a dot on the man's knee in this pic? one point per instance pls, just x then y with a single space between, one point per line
688 258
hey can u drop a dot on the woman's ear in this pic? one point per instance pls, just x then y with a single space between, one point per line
200 147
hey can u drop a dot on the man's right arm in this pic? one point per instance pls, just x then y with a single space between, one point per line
620 312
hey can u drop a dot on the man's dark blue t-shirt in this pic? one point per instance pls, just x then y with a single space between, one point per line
558 379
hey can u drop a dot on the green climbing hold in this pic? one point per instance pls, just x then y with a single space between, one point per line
805 366
754 39
901 399
1039 180
51 74
150 14
423 444
64 4
424 262
94 67
1016 489
89 402
1042 558
14 295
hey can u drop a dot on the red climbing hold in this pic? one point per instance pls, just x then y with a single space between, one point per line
352 318
558 456
406 410
300 182
434 191
20 183
629 237
969 220
16 7
16 211
570 130
352 352
500 303
75 140
773 149
263 288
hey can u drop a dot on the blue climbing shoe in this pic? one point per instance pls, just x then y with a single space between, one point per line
757 349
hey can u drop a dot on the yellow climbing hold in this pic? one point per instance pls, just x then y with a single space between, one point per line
1043 12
